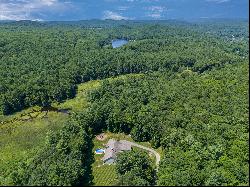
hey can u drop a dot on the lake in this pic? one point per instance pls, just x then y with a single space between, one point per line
118 43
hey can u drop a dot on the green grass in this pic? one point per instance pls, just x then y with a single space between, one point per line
80 102
20 140
24 132
105 175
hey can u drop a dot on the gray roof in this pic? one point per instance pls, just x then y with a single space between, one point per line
114 147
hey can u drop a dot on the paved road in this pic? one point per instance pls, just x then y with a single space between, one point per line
157 155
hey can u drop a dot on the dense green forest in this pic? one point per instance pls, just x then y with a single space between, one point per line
191 97
41 64
134 169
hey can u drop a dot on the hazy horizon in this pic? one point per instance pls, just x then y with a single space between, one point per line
77 10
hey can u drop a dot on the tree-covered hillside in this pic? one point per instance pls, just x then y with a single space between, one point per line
42 63
201 121
190 97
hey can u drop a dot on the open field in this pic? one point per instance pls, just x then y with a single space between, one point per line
19 140
24 132
79 102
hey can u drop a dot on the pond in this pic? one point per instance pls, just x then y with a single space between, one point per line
118 43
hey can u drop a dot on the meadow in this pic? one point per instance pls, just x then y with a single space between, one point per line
24 133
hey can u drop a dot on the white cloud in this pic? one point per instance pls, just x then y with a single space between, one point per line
123 8
113 15
48 2
218 1
155 11
26 9
155 16
158 9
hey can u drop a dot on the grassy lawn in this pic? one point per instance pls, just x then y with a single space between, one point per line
104 175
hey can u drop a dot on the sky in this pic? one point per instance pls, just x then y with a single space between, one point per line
68 10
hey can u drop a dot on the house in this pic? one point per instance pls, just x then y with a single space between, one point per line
114 147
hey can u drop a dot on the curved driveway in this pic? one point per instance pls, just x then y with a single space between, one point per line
157 155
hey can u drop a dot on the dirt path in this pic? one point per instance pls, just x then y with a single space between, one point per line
157 155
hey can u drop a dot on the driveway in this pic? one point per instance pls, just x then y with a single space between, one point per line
157 155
